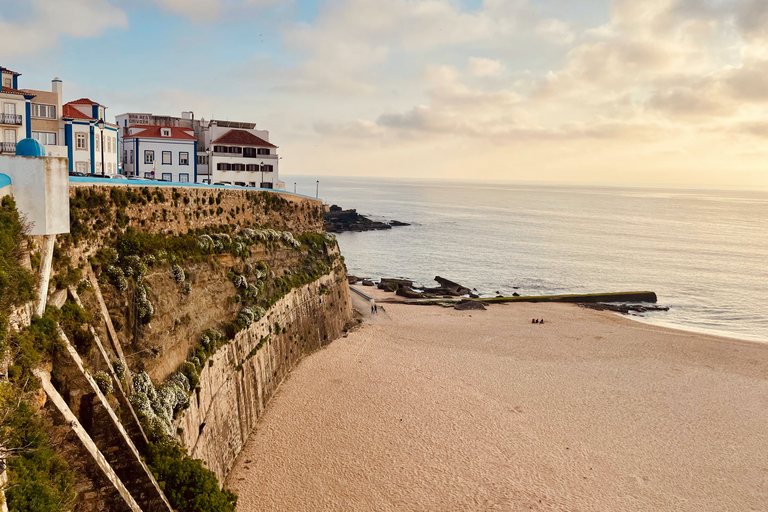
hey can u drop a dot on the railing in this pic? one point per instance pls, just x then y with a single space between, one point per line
7 147
10 119
240 155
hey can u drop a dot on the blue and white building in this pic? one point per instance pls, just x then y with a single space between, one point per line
166 153
92 143
15 108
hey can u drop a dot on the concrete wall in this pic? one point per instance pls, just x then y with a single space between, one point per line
41 189
235 388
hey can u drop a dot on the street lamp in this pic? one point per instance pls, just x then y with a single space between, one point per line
317 190
294 187
101 124
261 168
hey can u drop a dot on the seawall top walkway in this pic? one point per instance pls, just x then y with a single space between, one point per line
88 181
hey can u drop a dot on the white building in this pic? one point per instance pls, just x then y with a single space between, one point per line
227 152
92 143
160 152
15 108
238 154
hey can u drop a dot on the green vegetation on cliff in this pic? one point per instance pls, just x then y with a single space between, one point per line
16 283
38 478
188 485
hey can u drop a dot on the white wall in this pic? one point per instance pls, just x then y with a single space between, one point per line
40 187
175 146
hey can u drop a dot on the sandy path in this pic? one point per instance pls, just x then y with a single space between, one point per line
445 410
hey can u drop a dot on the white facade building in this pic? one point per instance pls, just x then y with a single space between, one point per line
92 149
239 154
160 152
15 108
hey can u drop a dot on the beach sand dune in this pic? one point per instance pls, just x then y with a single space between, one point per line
436 409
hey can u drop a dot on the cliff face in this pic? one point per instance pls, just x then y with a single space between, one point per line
211 294
244 375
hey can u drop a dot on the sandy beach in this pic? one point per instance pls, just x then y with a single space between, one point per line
428 408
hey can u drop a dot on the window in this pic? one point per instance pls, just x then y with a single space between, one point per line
184 177
125 156
81 141
202 159
266 184
263 151
266 168
183 158
82 167
97 143
98 167
224 167
45 138
251 183
114 144
165 132
45 111
149 175
252 168
10 136
149 157
166 158
130 153
166 176
7 82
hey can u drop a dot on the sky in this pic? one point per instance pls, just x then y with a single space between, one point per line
647 92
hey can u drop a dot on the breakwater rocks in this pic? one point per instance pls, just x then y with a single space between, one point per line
337 220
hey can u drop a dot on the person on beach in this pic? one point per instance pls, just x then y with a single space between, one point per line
375 309
541 321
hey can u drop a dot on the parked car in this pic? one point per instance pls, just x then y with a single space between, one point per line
139 178
74 173
116 176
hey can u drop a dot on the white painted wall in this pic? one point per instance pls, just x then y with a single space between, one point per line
40 187
175 146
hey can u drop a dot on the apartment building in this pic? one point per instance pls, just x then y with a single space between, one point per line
15 113
92 143
167 153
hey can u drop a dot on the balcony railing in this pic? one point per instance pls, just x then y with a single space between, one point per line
10 119
240 155
7 147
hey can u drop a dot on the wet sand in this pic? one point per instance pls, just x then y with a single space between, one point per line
428 408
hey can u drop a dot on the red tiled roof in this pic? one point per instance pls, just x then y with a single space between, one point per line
11 72
84 101
153 132
71 112
243 138
14 91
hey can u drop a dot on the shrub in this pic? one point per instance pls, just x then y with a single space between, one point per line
119 368
104 381
116 277
189 486
39 479
177 273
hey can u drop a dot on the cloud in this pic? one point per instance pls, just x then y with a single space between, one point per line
555 31
48 20
197 10
482 67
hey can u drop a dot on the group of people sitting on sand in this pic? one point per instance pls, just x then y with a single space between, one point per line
537 321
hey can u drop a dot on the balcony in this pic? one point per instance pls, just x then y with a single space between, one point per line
240 155
8 147
14 119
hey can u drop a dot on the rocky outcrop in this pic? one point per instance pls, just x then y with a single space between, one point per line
337 220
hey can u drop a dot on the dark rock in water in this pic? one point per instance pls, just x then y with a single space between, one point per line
623 308
392 285
473 295
499 296
455 288
408 292
367 282
515 294
469 305
337 220
353 279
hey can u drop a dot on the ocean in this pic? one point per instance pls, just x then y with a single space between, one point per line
704 252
